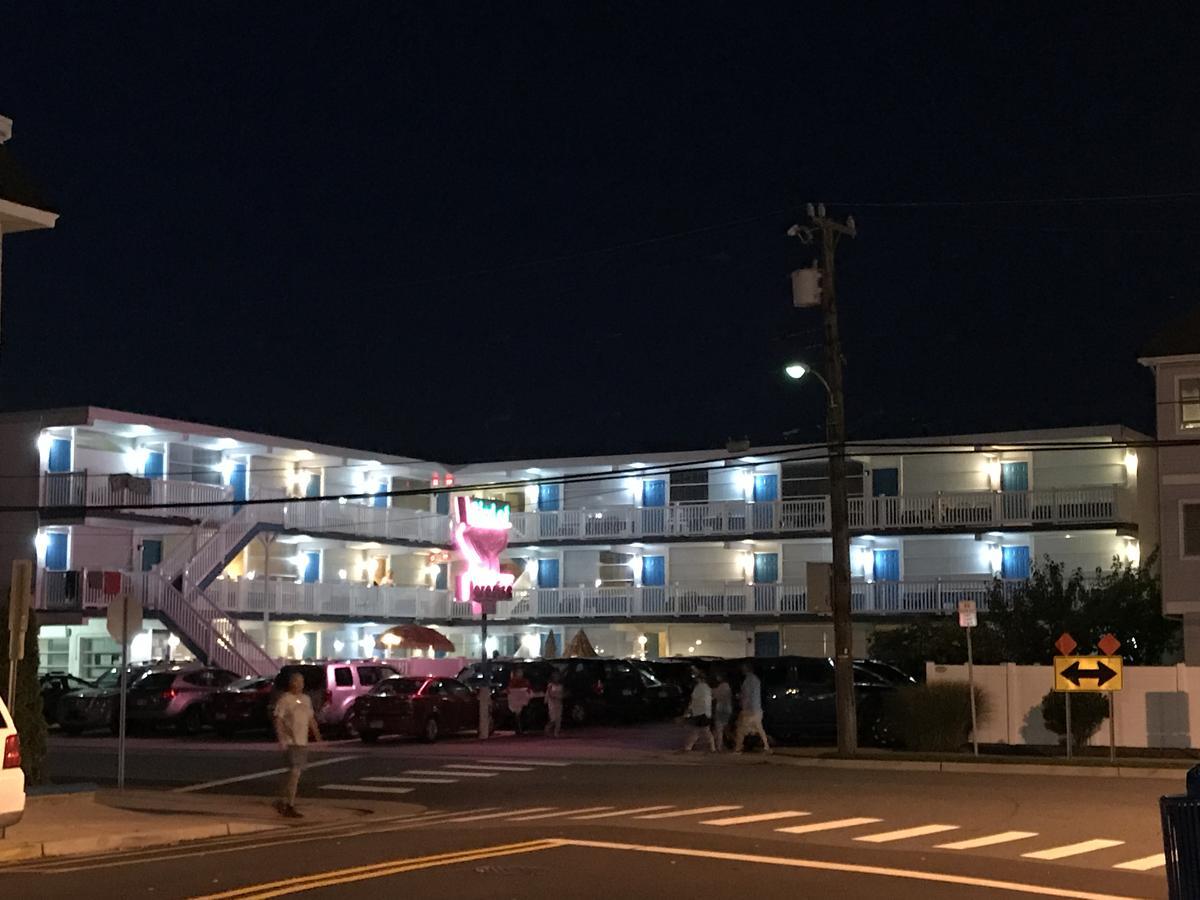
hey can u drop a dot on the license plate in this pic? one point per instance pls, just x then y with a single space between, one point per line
376 723
220 717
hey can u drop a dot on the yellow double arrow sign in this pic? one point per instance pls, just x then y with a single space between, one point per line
1088 673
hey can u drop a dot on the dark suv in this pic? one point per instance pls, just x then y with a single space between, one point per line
536 671
614 690
176 696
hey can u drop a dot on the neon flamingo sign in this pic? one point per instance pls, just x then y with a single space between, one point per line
481 534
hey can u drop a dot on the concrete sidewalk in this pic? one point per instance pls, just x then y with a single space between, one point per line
98 821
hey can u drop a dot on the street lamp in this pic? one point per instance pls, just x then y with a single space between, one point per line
797 370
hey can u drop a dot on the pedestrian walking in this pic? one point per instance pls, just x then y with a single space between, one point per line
520 692
699 714
722 709
750 719
554 704
295 723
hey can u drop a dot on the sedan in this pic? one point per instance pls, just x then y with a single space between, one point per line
416 707
96 707
54 685
243 706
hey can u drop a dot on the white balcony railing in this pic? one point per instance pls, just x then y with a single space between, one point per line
955 510
131 494
322 599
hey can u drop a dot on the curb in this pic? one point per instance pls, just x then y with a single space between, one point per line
980 768
129 841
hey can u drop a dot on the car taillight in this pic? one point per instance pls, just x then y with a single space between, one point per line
169 694
598 688
12 752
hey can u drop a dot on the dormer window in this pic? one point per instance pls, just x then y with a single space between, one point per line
1189 402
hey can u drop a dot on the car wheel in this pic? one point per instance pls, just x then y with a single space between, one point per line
368 737
348 728
579 714
431 730
192 721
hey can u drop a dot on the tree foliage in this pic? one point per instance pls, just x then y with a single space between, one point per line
27 711
1022 622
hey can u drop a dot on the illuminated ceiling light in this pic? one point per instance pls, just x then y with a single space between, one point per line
338 646
342 573
41 541
298 644
44 443
641 639
367 645
1131 463
226 468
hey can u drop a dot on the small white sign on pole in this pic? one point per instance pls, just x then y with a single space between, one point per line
968 614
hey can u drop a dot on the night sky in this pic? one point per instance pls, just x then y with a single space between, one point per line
473 231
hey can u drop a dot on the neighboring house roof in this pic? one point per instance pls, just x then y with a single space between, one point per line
1180 338
16 186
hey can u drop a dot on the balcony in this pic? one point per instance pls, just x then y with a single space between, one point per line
285 598
130 495
957 511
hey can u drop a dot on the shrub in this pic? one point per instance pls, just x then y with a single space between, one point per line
1087 712
933 717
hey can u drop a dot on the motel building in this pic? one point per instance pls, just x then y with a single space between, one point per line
701 553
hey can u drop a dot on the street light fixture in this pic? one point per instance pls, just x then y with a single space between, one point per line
797 370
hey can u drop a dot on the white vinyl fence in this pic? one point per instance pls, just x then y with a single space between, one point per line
1159 706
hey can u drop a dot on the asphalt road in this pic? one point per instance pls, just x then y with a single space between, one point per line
534 818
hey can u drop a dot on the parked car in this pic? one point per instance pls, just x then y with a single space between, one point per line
613 689
99 706
54 685
333 686
537 671
242 706
177 696
12 778
677 672
416 707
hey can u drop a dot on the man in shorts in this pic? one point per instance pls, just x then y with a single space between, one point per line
295 722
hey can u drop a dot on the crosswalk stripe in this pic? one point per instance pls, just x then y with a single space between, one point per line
1002 837
1073 849
679 813
919 831
565 812
499 815
404 779
622 812
443 773
827 826
467 767
366 788
1145 864
522 762
759 817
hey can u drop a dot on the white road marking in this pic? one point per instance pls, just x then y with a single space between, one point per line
443 773
366 788
1145 864
1073 849
565 812
1002 837
621 812
522 762
827 826
679 813
903 833
759 817
469 767
499 815
404 779
204 785
854 868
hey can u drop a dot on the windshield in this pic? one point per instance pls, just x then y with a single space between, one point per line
112 678
249 683
155 681
397 687
314 677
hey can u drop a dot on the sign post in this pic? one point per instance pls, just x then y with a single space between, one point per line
968 618
1091 674
1064 645
1109 645
124 621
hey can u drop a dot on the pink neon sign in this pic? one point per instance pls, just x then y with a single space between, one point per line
481 534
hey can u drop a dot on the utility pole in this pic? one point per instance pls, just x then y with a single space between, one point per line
830 232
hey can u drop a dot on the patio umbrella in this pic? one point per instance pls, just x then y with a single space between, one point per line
551 649
414 637
580 645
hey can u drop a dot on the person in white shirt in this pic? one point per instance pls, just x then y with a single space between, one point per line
722 709
699 714
295 721
750 719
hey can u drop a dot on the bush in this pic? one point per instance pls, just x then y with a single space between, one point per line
1087 712
933 717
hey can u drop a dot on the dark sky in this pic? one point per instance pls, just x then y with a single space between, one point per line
484 230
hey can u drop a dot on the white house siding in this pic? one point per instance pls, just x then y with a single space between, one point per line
706 564
945 557
945 472
796 557
1077 468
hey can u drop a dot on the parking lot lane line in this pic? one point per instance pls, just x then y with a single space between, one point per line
905 833
1073 849
1040 890
204 785
565 812
366 788
1145 864
443 773
1002 837
499 815
830 825
403 779
621 812
680 813
471 767
758 817
523 762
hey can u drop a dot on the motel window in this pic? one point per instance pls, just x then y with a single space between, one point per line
689 486
1189 402
1189 515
